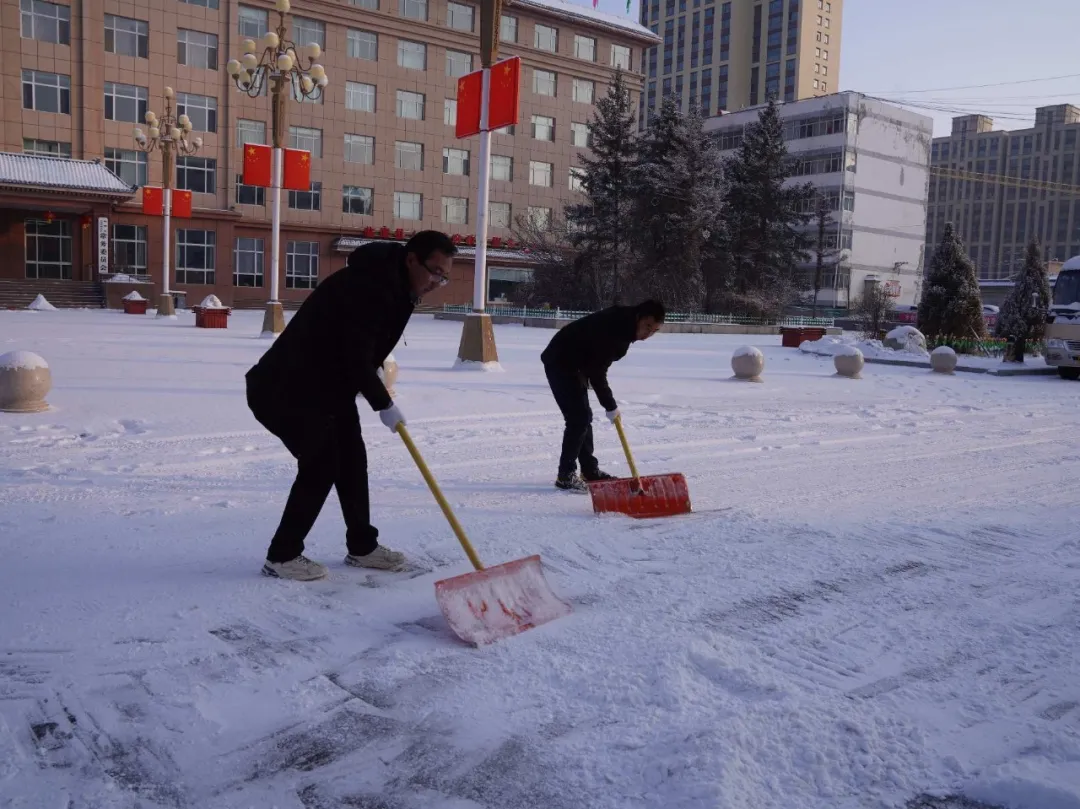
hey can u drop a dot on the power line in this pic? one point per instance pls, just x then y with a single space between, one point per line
983 86
1004 180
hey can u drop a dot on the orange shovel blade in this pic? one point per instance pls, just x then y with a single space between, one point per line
487 605
659 496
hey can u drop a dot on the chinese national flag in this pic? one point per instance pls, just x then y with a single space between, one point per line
469 90
503 97
181 204
257 162
297 170
153 201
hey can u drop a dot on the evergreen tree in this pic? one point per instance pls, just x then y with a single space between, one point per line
678 200
765 222
825 249
951 305
1023 315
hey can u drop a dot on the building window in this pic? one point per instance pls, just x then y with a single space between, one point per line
359 97
543 128
360 149
584 91
250 132
580 135
412 55
576 180
127 164
196 257
504 130
499 214
508 27
502 168
540 217
458 63
310 140
249 258
46 22
125 102
410 105
408 205
455 161
370 5
455 210
363 45
48 249
357 200
409 156
544 82
301 265
202 110
540 173
413 9
196 174
196 49
307 31
128 248
546 38
585 48
48 92
620 57
449 111
47 148
126 37
459 16
254 22
249 194
210 4
310 200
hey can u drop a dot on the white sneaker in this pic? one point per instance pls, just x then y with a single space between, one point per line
299 569
381 558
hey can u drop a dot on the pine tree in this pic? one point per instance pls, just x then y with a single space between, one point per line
678 191
1023 315
951 305
766 242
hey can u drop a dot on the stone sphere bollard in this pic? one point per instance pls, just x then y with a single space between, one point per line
748 362
943 360
25 380
849 362
388 373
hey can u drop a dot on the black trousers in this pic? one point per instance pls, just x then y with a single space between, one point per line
572 396
330 453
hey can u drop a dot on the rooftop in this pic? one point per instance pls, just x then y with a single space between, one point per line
576 11
39 172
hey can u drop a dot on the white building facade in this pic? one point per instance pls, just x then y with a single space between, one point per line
873 161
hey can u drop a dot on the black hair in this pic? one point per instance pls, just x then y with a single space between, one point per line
426 242
651 308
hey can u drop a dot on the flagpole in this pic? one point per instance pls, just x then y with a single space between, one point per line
273 317
480 265
165 302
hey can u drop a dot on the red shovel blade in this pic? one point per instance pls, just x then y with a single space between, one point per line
659 496
487 605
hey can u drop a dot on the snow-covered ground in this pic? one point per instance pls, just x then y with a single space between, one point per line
877 598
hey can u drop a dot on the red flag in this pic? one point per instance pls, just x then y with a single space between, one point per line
469 90
504 93
181 203
297 170
257 159
153 201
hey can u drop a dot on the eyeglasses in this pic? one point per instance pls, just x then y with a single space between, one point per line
442 279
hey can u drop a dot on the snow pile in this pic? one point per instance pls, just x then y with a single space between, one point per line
39 304
120 278
906 338
134 296
847 350
212 302
23 361
831 345
746 351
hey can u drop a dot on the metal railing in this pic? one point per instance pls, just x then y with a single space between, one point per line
672 317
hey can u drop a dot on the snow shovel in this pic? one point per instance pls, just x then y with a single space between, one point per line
493 602
650 496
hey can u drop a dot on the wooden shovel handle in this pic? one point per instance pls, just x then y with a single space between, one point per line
626 449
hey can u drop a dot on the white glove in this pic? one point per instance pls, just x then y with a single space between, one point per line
392 417
612 414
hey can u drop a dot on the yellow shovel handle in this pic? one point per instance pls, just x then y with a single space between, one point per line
458 530
626 449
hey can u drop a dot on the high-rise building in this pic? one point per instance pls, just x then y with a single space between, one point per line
1001 188
78 78
725 55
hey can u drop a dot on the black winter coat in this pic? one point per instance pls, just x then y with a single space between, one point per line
588 346
332 348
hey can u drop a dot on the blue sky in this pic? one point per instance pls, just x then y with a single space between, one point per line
892 46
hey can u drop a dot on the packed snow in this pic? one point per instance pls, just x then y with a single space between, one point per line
212 302
40 304
22 360
134 296
875 600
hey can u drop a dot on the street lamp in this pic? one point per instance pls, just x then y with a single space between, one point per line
278 60
172 135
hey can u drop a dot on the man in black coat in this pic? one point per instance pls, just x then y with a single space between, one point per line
304 389
578 356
